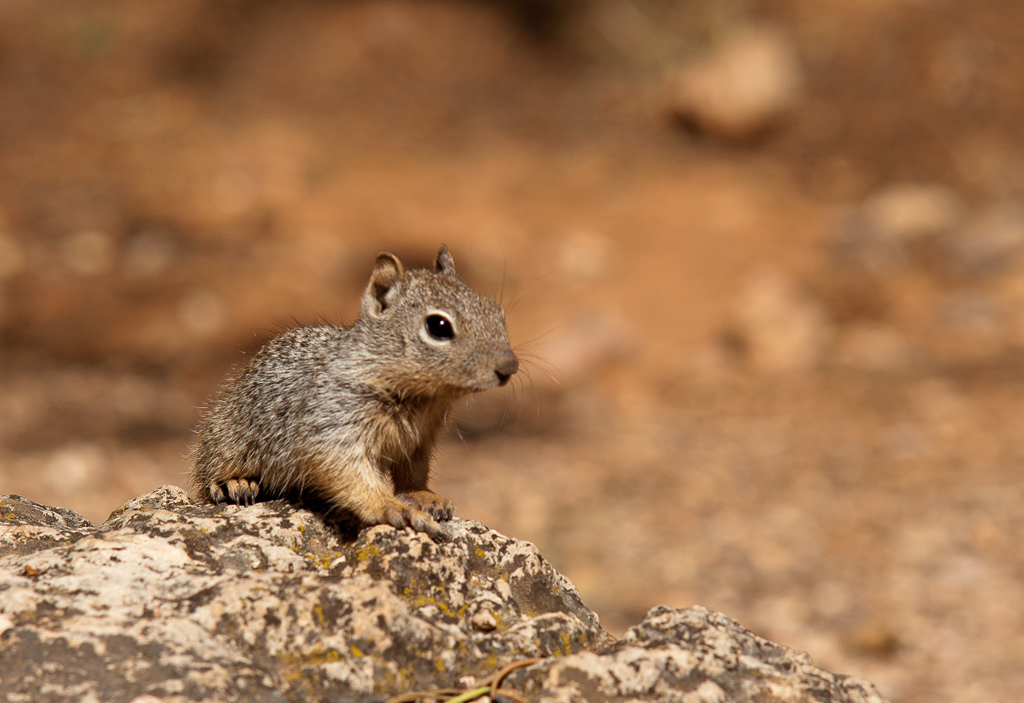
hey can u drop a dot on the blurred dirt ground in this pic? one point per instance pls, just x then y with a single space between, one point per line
776 373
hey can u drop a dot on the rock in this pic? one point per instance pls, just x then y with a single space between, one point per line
908 211
690 655
264 603
972 312
176 601
746 85
150 252
992 241
873 347
879 234
88 253
783 329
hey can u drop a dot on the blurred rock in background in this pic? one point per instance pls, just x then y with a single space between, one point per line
781 328
745 86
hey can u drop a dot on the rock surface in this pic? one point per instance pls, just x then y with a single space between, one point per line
180 601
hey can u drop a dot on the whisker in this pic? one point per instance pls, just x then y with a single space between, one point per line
522 392
520 294
523 345
536 363
458 433
504 278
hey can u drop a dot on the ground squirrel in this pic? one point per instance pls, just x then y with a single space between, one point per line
351 415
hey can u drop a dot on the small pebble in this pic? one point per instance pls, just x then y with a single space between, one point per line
970 312
149 253
784 328
88 253
484 621
992 240
872 348
908 211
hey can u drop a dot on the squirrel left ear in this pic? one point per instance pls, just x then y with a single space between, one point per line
444 262
385 282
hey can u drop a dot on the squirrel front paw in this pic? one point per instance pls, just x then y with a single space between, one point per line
439 507
399 514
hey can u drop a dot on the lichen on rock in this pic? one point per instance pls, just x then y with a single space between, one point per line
270 603
692 655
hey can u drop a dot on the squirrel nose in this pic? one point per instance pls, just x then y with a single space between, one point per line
507 365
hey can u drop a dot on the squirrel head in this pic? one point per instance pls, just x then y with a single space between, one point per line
431 332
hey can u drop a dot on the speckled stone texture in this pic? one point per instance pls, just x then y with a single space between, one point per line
268 603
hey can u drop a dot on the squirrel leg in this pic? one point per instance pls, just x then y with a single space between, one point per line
411 486
362 489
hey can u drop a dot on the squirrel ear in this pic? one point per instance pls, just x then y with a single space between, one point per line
384 283
444 262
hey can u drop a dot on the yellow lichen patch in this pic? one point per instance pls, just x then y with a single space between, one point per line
370 551
315 657
388 683
435 599
320 560
291 675
293 664
498 621
567 642
356 652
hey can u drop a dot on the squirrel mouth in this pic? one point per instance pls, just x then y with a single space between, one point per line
503 378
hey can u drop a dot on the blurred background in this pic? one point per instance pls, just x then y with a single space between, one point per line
764 260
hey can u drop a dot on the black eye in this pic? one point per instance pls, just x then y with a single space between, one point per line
440 327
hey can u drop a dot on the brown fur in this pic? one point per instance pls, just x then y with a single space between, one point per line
352 415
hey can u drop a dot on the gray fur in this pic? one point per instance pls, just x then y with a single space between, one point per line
352 415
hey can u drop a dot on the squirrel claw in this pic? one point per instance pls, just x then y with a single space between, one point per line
426 524
217 495
436 506
242 491
405 515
